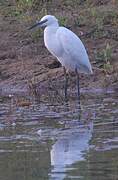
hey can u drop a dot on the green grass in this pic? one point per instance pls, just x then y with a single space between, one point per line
36 34
103 57
63 21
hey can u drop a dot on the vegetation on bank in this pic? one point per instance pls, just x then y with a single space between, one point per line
24 60
98 19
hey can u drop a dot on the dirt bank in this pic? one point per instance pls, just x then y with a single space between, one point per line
26 64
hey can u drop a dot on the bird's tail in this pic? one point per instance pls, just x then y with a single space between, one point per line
85 69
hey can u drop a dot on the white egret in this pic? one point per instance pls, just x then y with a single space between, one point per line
66 47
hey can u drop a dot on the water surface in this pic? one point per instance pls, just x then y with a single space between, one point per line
41 141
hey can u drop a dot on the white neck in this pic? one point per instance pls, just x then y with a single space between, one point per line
50 38
51 29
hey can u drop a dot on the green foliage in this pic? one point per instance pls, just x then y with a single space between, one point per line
22 5
36 34
104 57
81 20
63 21
107 52
17 7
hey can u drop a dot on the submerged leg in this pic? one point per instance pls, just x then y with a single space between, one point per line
66 83
78 87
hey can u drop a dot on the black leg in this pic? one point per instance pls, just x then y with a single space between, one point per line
66 83
78 88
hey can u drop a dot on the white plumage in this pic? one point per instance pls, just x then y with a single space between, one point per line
65 45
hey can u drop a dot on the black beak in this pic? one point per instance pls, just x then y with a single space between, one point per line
37 24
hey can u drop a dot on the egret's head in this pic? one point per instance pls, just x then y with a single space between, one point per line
47 20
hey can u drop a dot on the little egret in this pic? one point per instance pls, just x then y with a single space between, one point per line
66 47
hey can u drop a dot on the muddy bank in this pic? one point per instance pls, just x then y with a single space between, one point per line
26 65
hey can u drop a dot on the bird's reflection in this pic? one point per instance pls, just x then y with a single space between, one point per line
68 149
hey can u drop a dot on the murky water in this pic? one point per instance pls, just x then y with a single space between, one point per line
59 141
